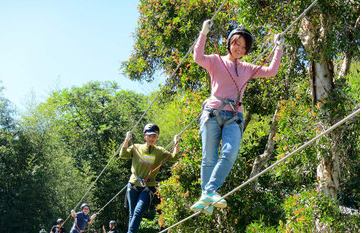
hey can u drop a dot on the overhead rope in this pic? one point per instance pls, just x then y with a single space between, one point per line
175 70
271 166
288 28
188 126
144 113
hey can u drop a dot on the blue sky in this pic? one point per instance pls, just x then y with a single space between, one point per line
49 45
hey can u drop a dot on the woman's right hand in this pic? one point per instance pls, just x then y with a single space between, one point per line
206 27
128 135
72 212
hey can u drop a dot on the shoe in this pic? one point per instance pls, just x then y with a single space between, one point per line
210 198
198 206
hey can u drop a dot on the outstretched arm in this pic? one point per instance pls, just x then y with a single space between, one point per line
199 49
272 69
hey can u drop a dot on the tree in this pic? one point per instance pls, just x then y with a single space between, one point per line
166 31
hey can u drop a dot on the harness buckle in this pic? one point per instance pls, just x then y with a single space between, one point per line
232 106
231 101
143 183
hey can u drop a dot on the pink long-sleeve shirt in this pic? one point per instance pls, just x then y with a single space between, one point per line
221 82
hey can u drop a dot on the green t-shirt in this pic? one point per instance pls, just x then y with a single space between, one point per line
153 156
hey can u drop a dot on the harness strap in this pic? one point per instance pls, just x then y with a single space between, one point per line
145 189
225 101
142 182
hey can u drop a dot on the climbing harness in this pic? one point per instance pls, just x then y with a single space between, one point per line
150 190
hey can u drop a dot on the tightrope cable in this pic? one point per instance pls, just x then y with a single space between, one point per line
272 166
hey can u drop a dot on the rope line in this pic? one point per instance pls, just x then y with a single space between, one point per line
165 148
91 186
100 210
144 113
174 72
287 29
272 166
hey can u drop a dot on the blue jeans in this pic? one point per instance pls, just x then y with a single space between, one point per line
138 202
215 169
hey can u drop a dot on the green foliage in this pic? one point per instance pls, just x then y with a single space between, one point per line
91 122
310 211
166 31
162 39
54 151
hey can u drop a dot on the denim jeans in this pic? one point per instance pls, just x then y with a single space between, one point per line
138 202
215 168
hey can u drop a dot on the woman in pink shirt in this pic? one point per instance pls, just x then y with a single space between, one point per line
222 119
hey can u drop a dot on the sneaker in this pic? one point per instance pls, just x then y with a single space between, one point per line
210 198
198 206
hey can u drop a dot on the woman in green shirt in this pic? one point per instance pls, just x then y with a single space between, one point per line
146 158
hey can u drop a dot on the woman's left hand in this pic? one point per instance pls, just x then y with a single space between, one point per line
278 40
176 139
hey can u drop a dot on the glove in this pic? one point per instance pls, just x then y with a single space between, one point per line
129 135
278 40
93 216
72 212
206 27
176 139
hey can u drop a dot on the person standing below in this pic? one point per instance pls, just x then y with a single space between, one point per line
222 119
81 219
112 227
59 227
146 161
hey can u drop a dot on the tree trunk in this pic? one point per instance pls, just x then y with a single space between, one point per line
262 159
321 74
346 64
247 119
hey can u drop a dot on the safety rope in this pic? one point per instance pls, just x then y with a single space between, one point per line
271 166
288 28
188 126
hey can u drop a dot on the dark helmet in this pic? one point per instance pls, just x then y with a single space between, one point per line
151 128
244 33
84 205
112 222
59 221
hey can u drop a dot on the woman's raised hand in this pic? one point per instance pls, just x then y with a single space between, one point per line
176 139
206 27
128 135
278 40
